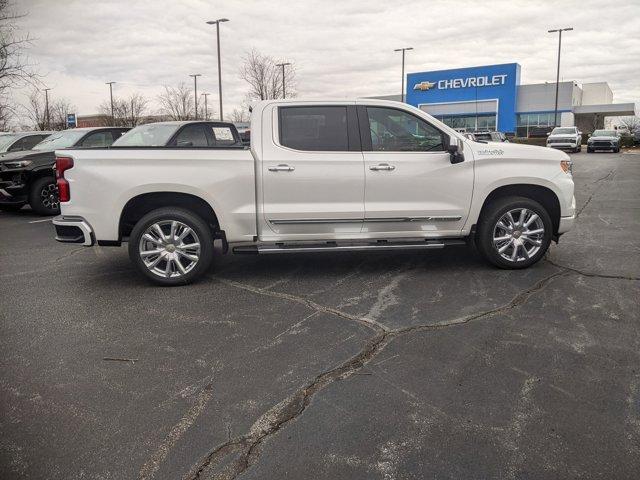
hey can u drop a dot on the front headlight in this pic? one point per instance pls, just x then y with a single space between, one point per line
18 164
566 166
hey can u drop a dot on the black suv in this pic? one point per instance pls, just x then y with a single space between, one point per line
28 176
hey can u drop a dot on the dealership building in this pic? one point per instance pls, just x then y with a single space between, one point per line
491 97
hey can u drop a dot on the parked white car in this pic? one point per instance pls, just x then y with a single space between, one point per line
319 176
569 138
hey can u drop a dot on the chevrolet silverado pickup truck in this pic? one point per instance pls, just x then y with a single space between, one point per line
318 177
566 138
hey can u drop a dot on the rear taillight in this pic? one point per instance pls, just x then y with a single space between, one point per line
63 164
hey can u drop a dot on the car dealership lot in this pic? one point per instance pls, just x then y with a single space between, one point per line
368 365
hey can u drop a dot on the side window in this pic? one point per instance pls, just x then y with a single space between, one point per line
116 134
223 136
192 136
31 141
314 128
98 139
397 131
17 146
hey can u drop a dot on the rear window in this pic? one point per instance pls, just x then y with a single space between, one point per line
314 128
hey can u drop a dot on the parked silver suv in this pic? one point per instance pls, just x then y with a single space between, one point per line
566 138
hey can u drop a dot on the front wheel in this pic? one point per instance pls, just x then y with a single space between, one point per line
43 196
171 246
514 232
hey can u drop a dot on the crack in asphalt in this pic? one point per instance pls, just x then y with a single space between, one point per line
367 322
246 447
595 182
591 275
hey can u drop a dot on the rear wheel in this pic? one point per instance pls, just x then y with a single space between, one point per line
514 232
171 246
43 196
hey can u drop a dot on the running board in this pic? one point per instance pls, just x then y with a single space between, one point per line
345 247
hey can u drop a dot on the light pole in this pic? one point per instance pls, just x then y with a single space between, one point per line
217 24
195 93
402 50
46 107
113 118
559 30
284 95
206 107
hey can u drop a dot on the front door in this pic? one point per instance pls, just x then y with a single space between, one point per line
412 188
313 174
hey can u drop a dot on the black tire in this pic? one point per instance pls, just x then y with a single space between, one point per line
203 235
43 196
616 150
11 207
489 219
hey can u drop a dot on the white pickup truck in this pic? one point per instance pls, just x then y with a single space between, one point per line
319 176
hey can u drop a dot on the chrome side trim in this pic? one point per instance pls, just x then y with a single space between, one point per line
346 248
310 221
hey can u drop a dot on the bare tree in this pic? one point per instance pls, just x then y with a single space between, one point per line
58 110
239 115
15 71
265 77
632 123
127 112
176 103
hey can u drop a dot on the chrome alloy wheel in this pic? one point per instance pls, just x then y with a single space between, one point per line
49 196
518 235
169 248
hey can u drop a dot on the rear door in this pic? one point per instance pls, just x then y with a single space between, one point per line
411 185
313 173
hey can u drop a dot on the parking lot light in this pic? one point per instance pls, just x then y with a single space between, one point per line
559 30
217 24
403 50
195 94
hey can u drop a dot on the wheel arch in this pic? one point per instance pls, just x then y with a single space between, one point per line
138 206
541 194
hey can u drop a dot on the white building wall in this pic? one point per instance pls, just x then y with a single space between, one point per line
597 93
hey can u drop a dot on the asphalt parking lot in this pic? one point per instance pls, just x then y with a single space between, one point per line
330 366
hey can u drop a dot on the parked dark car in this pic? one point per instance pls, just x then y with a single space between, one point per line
19 141
28 176
603 140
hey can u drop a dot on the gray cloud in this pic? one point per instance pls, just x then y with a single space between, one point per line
342 49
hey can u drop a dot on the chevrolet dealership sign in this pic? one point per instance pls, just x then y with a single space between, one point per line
482 81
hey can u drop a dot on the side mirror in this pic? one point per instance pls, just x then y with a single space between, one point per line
455 155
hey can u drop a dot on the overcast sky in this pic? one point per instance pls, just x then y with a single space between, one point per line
340 48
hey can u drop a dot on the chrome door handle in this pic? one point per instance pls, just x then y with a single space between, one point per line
382 166
282 168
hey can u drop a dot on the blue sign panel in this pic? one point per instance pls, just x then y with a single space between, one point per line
461 90
71 120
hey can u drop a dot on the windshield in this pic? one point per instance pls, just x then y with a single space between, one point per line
563 131
149 135
6 141
604 133
64 139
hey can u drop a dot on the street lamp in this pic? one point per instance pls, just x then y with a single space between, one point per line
402 50
46 107
113 118
217 24
195 93
206 108
283 65
559 30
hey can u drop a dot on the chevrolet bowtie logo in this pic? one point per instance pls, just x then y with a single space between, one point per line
424 86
